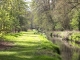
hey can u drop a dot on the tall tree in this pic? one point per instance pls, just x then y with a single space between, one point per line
12 15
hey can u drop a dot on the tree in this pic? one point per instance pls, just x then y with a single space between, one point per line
13 15
55 14
42 10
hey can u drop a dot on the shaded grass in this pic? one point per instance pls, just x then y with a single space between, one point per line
29 46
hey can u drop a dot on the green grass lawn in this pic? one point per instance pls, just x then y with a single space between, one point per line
29 46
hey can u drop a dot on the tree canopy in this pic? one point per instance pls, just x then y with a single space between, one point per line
56 14
13 15
18 15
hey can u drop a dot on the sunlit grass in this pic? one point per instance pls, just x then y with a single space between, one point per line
29 46
7 53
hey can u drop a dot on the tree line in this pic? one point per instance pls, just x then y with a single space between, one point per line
13 15
56 14
19 15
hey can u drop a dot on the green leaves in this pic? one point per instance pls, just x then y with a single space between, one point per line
12 15
75 37
75 20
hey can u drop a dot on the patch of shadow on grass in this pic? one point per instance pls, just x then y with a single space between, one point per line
6 45
13 57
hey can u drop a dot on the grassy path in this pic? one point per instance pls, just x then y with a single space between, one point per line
29 46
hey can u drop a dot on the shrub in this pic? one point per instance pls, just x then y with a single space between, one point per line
75 37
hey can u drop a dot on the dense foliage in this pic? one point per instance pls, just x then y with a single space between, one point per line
56 14
75 39
13 15
17 15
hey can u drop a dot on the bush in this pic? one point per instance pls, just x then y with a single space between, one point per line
75 37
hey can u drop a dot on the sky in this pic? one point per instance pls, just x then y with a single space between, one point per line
28 0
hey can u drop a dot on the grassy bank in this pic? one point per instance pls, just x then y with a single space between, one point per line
29 46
